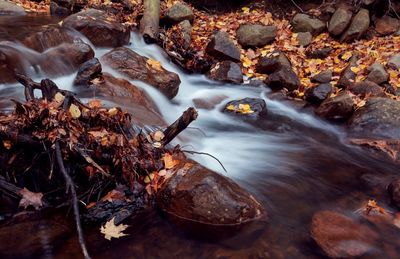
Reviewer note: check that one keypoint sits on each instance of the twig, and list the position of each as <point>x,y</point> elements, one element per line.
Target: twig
<point>207,154</point>
<point>91,161</point>
<point>71,187</point>
<point>301,10</point>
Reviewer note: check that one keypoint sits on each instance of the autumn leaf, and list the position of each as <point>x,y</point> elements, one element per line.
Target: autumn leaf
<point>346,56</point>
<point>59,97</point>
<point>29,198</point>
<point>95,103</point>
<point>74,111</point>
<point>110,230</point>
<point>158,136</point>
<point>154,64</point>
<point>246,62</point>
<point>169,161</point>
<point>114,195</point>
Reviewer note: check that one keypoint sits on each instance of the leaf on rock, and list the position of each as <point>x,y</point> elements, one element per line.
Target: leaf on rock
<point>154,64</point>
<point>95,103</point>
<point>110,230</point>
<point>74,111</point>
<point>169,161</point>
<point>29,198</point>
<point>59,97</point>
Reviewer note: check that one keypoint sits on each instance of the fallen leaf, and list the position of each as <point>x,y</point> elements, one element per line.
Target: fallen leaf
<point>95,103</point>
<point>74,111</point>
<point>169,161</point>
<point>154,64</point>
<point>110,230</point>
<point>114,195</point>
<point>158,136</point>
<point>29,198</point>
<point>59,97</point>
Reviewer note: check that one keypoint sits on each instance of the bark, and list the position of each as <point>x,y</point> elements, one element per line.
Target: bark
<point>179,125</point>
<point>149,25</point>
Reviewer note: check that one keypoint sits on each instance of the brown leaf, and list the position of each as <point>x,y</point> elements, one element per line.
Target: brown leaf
<point>29,198</point>
<point>169,161</point>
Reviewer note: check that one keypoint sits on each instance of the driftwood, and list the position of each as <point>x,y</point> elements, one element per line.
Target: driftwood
<point>149,25</point>
<point>179,125</point>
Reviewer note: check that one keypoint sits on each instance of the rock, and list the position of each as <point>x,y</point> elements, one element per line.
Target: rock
<point>304,38</point>
<point>50,37</point>
<point>389,88</point>
<point>178,13</point>
<point>137,67</point>
<point>272,63</point>
<point>99,28</point>
<point>88,71</point>
<point>340,107</point>
<point>186,31</point>
<point>223,48</point>
<point>339,21</point>
<point>394,192</point>
<point>12,59</point>
<point>55,9</point>
<point>9,8</point>
<point>65,58</point>
<point>358,26</point>
<point>209,103</point>
<point>255,35</point>
<point>318,94</point>
<point>378,118</point>
<point>366,88</point>
<point>319,53</point>
<point>304,23</point>
<point>323,77</point>
<point>283,78</point>
<point>226,71</point>
<point>198,197</point>
<point>257,107</point>
<point>377,74</point>
<point>387,25</point>
<point>347,77</point>
<point>340,236</point>
<point>394,62</point>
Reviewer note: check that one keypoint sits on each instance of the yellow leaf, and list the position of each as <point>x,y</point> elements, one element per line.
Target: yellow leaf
<point>169,161</point>
<point>112,111</point>
<point>346,56</point>
<point>246,10</point>
<point>154,64</point>
<point>59,97</point>
<point>110,230</point>
<point>95,103</point>
<point>158,135</point>
<point>246,62</point>
<point>355,69</point>
<point>74,111</point>
<point>231,107</point>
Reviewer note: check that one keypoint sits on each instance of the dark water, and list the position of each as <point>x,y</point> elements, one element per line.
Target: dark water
<point>293,163</point>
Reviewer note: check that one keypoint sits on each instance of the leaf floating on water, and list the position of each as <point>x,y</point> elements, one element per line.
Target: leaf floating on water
<point>74,111</point>
<point>110,230</point>
<point>29,198</point>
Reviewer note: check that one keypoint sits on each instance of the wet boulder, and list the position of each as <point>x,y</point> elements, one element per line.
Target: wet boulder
<point>337,108</point>
<point>387,25</point>
<point>252,108</point>
<point>358,26</point>
<point>377,74</point>
<point>50,37</point>
<point>226,71</point>
<point>283,78</point>
<point>57,10</point>
<point>318,94</point>
<point>223,48</point>
<point>137,67</point>
<point>305,23</point>
<point>272,63</point>
<point>366,88</point>
<point>88,71</point>
<point>339,21</point>
<point>319,53</point>
<point>394,62</point>
<point>340,236</point>
<point>323,77</point>
<point>9,8</point>
<point>100,29</point>
<point>255,35</point>
<point>65,58</point>
<point>304,38</point>
<point>378,118</point>
<point>178,13</point>
<point>394,191</point>
<point>347,76</point>
<point>198,198</point>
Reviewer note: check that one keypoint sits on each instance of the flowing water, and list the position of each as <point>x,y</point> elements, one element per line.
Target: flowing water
<point>293,162</point>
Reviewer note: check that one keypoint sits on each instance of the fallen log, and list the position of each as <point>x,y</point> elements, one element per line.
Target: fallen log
<point>149,25</point>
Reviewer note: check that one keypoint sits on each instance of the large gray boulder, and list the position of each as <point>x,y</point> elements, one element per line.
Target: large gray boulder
<point>304,23</point>
<point>358,27</point>
<point>339,21</point>
<point>255,35</point>
<point>337,108</point>
<point>178,13</point>
<point>366,88</point>
<point>283,78</point>
<point>223,48</point>
<point>272,62</point>
<point>226,71</point>
<point>394,62</point>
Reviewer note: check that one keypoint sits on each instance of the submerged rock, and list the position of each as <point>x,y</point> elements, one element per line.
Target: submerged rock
<point>49,38</point>
<point>272,63</point>
<point>340,236</point>
<point>100,29</point>
<point>340,107</point>
<point>223,48</point>
<point>283,78</point>
<point>131,64</point>
<point>226,71</point>
<point>252,108</point>
<point>178,13</point>
<point>304,23</point>
<point>255,35</point>
<point>339,21</point>
<point>358,27</point>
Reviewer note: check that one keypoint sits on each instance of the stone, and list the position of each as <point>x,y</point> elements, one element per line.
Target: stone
<point>337,108</point>
<point>13,60</point>
<point>319,53</point>
<point>378,118</point>
<point>366,88</point>
<point>340,236</point>
<point>226,71</point>
<point>9,8</point>
<point>100,29</point>
<point>178,13</point>
<point>358,26</point>
<point>258,108</point>
<point>223,48</point>
<point>88,71</point>
<point>197,196</point>
<point>186,32</point>
<point>255,35</point>
<point>304,38</point>
<point>131,64</point>
<point>272,63</point>
<point>283,78</point>
<point>57,10</point>
<point>394,191</point>
<point>304,23</point>
<point>347,76</point>
<point>49,38</point>
<point>323,77</point>
<point>387,25</point>
<point>339,21</point>
<point>394,62</point>
<point>318,94</point>
<point>377,74</point>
